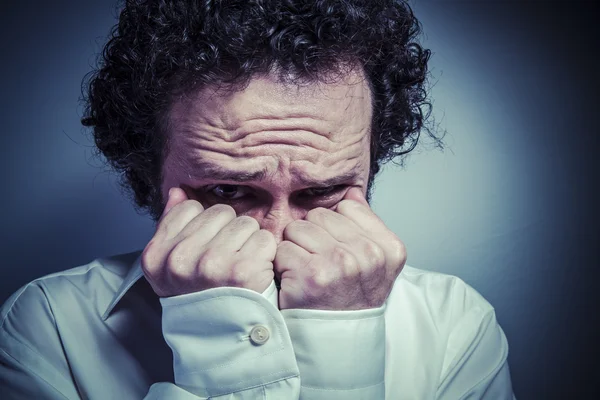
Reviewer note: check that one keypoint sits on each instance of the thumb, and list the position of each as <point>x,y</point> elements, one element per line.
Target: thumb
<point>357,195</point>
<point>175,196</point>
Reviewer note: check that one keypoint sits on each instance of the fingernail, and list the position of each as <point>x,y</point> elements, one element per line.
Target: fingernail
<point>170,192</point>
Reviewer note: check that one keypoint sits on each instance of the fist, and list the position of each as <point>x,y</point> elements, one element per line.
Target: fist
<point>345,259</point>
<point>195,249</point>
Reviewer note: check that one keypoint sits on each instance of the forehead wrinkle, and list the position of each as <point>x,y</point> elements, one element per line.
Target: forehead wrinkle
<point>349,151</point>
<point>290,140</point>
<point>256,100</point>
<point>212,112</point>
<point>191,151</point>
<point>306,123</point>
<point>193,133</point>
<point>294,148</point>
<point>318,127</point>
<point>252,132</point>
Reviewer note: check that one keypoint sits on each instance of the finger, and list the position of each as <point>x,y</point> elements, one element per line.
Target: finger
<point>354,207</point>
<point>206,225</point>
<point>175,196</point>
<point>178,211</point>
<point>357,195</point>
<point>308,236</point>
<point>193,228</point>
<point>181,263</point>
<point>261,244</point>
<point>345,231</point>
<point>337,225</point>
<point>232,237</point>
<point>290,259</point>
<point>178,217</point>
<point>152,261</point>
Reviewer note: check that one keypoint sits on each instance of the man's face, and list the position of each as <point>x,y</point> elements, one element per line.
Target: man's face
<point>272,151</point>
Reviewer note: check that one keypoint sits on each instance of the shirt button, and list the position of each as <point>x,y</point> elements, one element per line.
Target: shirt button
<point>259,335</point>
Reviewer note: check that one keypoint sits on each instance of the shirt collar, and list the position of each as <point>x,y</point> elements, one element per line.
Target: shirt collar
<point>134,274</point>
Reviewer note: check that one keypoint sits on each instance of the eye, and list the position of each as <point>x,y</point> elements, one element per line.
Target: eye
<point>322,191</point>
<point>228,192</point>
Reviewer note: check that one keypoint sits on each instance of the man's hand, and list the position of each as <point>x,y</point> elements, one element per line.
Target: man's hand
<point>195,249</point>
<point>338,260</point>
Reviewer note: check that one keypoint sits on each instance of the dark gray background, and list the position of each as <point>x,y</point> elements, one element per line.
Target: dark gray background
<point>510,206</point>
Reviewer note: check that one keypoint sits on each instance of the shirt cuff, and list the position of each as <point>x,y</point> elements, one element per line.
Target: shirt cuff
<point>340,354</point>
<point>226,340</point>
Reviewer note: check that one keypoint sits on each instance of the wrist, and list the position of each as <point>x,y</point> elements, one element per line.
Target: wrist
<point>339,351</point>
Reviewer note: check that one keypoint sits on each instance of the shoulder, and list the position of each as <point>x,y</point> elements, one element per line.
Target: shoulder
<point>39,300</point>
<point>444,300</point>
<point>44,317</point>
<point>462,332</point>
<point>440,289</point>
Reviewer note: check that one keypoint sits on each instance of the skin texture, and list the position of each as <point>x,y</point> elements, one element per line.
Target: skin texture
<point>292,206</point>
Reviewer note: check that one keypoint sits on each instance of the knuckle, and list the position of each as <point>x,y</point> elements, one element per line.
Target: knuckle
<point>210,265</point>
<point>209,274</point>
<point>320,279</point>
<point>208,258</point>
<point>239,274</point>
<point>148,251</point>
<point>398,252</point>
<point>177,254</point>
<point>148,260</point>
<point>317,274</point>
<point>344,259</point>
<point>374,253</point>
<point>177,260</point>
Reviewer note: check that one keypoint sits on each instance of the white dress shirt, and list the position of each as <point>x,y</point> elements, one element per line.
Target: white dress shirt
<point>98,331</point>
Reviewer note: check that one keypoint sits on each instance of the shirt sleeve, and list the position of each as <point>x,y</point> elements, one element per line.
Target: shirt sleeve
<point>340,354</point>
<point>31,377</point>
<point>475,363</point>
<point>217,354</point>
<point>230,342</point>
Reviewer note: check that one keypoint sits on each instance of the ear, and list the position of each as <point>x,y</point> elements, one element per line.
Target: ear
<point>357,195</point>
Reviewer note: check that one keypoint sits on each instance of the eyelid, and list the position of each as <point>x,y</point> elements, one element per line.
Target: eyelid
<point>334,190</point>
<point>245,190</point>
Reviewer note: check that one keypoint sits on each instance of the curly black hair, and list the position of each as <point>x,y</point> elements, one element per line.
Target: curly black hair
<point>161,49</point>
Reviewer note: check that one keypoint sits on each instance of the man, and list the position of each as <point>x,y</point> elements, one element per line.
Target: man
<point>252,132</point>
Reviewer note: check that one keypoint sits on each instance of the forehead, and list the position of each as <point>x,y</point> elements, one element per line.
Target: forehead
<point>273,132</point>
<point>328,109</point>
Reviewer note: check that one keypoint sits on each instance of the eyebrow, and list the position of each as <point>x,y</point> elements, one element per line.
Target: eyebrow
<point>215,172</point>
<point>333,181</point>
